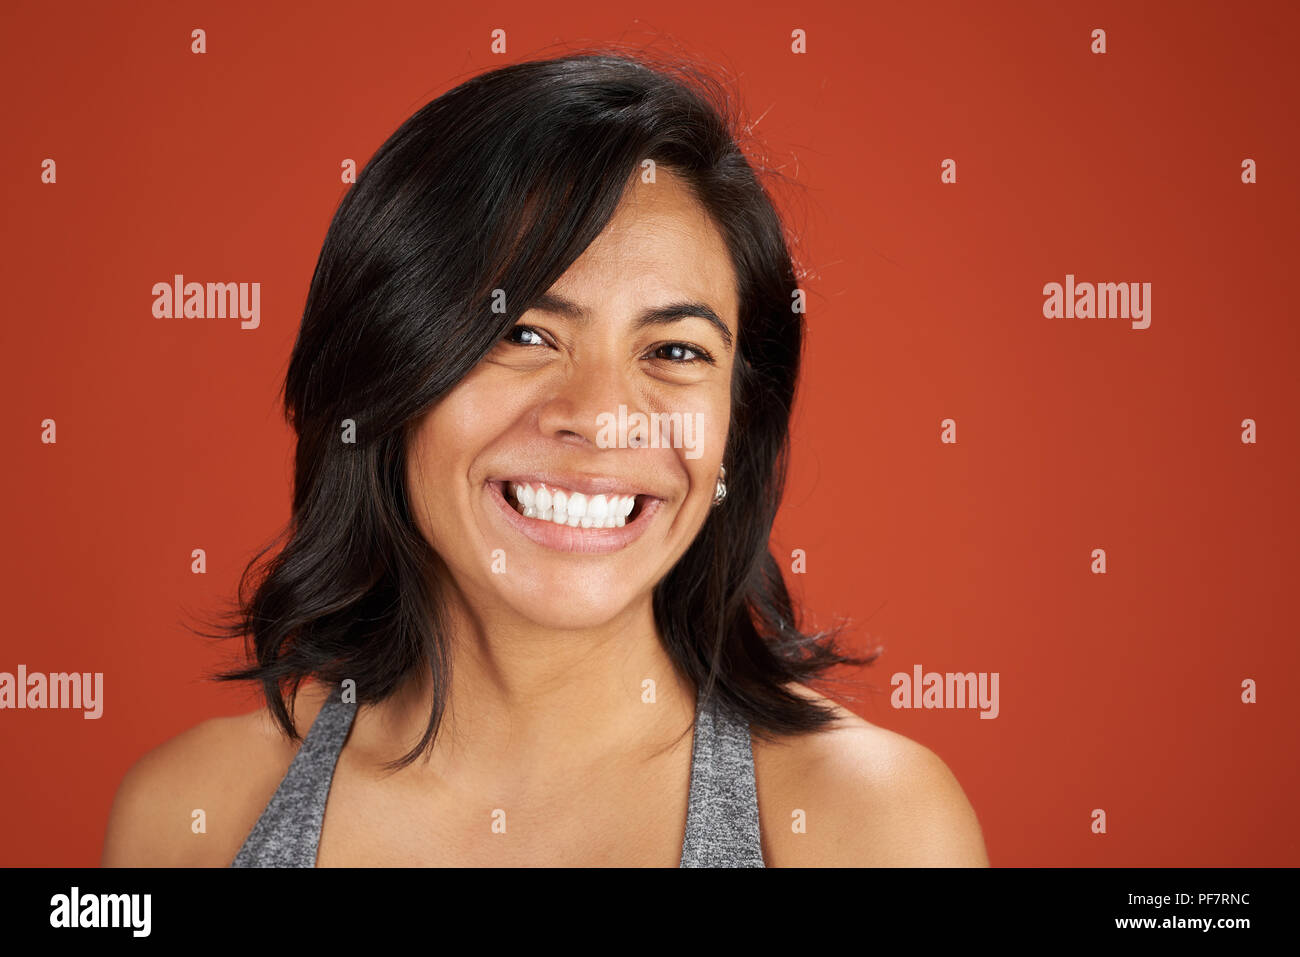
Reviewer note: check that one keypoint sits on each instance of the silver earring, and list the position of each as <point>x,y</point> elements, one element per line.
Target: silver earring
<point>721,491</point>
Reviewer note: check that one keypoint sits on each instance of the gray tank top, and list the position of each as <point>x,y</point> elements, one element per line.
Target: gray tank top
<point>721,817</point>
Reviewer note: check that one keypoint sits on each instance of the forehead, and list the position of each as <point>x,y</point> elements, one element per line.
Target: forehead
<point>660,244</point>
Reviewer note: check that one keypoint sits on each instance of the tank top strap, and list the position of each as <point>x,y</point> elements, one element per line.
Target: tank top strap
<point>288,832</point>
<point>722,811</point>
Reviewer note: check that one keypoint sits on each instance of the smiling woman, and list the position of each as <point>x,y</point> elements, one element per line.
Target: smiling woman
<point>585,641</point>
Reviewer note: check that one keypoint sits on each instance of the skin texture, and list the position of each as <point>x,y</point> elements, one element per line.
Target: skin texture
<point>545,717</point>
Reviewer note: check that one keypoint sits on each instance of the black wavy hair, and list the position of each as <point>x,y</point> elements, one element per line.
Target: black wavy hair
<point>503,182</point>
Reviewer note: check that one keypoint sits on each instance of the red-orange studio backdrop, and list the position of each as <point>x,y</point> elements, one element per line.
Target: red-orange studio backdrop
<point>1046,431</point>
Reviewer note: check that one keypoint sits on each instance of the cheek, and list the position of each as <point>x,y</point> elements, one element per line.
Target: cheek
<point>438,445</point>
<point>423,477</point>
<point>446,444</point>
<point>463,423</point>
<point>467,414</point>
<point>713,420</point>
<point>706,420</point>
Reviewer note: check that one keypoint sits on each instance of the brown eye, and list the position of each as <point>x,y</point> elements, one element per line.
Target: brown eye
<point>682,353</point>
<point>529,336</point>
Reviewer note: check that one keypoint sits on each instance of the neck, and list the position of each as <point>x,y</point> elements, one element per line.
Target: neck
<point>526,700</point>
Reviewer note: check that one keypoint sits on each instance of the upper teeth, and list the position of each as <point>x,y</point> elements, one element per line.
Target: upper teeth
<point>563,507</point>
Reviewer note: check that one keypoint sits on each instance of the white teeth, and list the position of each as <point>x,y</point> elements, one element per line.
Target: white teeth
<point>574,509</point>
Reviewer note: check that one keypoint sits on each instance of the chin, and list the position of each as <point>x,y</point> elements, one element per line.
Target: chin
<point>564,608</point>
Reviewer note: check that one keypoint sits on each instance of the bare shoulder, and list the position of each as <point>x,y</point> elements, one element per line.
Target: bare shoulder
<point>227,768</point>
<point>865,797</point>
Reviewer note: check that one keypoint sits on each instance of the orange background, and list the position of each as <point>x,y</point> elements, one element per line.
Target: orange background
<point>1118,691</point>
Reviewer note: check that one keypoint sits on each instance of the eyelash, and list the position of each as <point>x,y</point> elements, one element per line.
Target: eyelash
<point>703,355</point>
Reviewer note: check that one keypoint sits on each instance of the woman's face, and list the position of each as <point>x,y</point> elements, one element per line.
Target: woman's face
<point>617,388</point>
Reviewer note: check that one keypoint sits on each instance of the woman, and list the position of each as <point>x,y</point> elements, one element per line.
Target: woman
<point>542,392</point>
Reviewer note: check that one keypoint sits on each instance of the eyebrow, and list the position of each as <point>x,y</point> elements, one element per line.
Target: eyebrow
<point>660,315</point>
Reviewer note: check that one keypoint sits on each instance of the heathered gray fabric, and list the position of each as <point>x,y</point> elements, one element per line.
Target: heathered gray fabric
<point>721,817</point>
<point>288,832</point>
<point>722,812</point>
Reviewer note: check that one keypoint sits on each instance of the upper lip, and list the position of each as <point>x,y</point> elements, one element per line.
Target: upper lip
<point>579,482</point>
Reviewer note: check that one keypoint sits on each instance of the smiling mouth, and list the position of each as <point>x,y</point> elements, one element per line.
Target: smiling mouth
<point>565,507</point>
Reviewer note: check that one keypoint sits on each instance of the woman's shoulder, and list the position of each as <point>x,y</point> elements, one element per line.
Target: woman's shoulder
<point>191,801</point>
<point>858,795</point>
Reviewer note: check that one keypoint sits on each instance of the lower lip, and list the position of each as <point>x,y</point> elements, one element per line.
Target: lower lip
<point>567,538</point>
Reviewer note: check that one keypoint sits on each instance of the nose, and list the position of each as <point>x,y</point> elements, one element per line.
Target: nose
<point>584,403</point>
